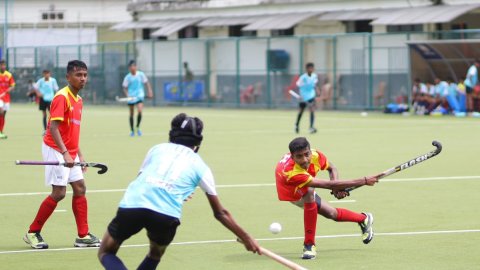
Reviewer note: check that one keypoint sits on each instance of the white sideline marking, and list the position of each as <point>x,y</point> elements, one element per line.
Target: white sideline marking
<point>59,210</point>
<point>343,201</point>
<point>437,178</point>
<point>259,239</point>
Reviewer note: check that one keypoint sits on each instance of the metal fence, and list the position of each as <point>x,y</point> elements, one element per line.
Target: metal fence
<point>356,71</point>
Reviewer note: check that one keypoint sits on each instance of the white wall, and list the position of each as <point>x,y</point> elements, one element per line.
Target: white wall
<point>85,11</point>
<point>51,36</point>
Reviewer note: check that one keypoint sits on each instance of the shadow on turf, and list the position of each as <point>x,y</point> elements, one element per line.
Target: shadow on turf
<point>288,255</point>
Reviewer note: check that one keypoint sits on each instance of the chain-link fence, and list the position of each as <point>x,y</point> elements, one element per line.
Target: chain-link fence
<point>356,71</point>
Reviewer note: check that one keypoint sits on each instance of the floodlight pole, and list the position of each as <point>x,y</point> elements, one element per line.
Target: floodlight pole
<point>5,27</point>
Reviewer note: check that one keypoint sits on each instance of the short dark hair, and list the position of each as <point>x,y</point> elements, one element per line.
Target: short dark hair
<point>131,63</point>
<point>46,71</point>
<point>417,80</point>
<point>3,61</point>
<point>76,64</point>
<point>298,144</point>
<point>186,130</point>
<point>310,64</point>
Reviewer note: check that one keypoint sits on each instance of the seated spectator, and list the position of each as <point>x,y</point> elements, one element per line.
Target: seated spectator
<point>420,96</point>
<point>440,92</point>
<point>326,94</point>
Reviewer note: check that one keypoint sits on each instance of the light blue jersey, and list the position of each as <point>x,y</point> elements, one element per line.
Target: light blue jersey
<point>134,84</point>
<point>472,77</point>
<point>169,174</point>
<point>47,88</point>
<point>307,85</point>
<point>441,89</point>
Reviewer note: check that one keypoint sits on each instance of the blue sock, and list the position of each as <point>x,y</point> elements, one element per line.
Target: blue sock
<point>148,264</point>
<point>112,262</point>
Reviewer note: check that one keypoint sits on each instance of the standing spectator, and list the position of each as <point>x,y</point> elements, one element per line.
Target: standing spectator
<point>32,92</point>
<point>470,81</point>
<point>7,84</point>
<point>46,88</point>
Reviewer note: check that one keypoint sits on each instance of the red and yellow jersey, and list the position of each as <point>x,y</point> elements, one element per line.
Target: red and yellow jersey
<point>6,81</point>
<point>67,109</point>
<point>292,180</point>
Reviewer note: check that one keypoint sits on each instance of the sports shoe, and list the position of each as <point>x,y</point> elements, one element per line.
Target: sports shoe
<point>139,132</point>
<point>35,240</point>
<point>312,130</point>
<point>367,229</point>
<point>309,252</point>
<point>89,240</point>
<point>3,136</point>
<point>132,133</point>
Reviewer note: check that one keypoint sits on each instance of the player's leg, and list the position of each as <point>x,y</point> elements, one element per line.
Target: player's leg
<point>48,205</point>
<point>2,118</point>
<point>310,224</point>
<point>301,108</point>
<point>80,209</point>
<point>161,230</point>
<point>311,107</point>
<point>107,253</point>
<point>139,117</point>
<point>364,220</point>
<point>130,119</point>
<point>126,223</point>
<point>57,178</point>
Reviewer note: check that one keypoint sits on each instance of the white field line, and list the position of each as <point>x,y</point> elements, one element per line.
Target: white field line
<point>259,239</point>
<point>59,210</point>
<point>438,178</point>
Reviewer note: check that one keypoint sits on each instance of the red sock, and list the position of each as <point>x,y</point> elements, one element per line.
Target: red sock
<point>80,210</point>
<point>44,212</point>
<point>310,222</point>
<point>2,122</point>
<point>347,215</point>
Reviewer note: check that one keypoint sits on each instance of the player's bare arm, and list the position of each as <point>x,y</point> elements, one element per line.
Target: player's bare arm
<point>333,174</point>
<point>125,91</point>
<point>59,142</point>
<point>82,159</point>
<point>149,89</point>
<point>222,215</point>
<point>343,184</point>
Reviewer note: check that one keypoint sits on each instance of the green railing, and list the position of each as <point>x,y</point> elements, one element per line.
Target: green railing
<point>356,71</point>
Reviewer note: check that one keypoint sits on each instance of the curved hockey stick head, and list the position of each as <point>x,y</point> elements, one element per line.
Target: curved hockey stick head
<point>438,145</point>
<point>102,168</point>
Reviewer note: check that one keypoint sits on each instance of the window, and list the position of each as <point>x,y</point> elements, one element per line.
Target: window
<point>188,32</point>
<point>52,16</point>
<point>282,32</point>
<point>362,26</point>
<point>236,31</point>
<point>60,16</point>
<point>405,28</point>
<point>44,16</point>
<point>146,33</point>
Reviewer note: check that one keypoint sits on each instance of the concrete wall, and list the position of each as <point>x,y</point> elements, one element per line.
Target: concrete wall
<point>97,11</point>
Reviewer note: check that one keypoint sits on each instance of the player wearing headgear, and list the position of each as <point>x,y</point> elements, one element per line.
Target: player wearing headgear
<point>296,179</point>
<point>307,83</point>
<point>133,86</point>
<point>168,176</point>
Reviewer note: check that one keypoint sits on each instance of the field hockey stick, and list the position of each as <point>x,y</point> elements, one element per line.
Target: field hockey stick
<point>294,94</point>
<point>408,164</point>
<point>125,99</point>
<point>102,167</point>
<point>278,258</point>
